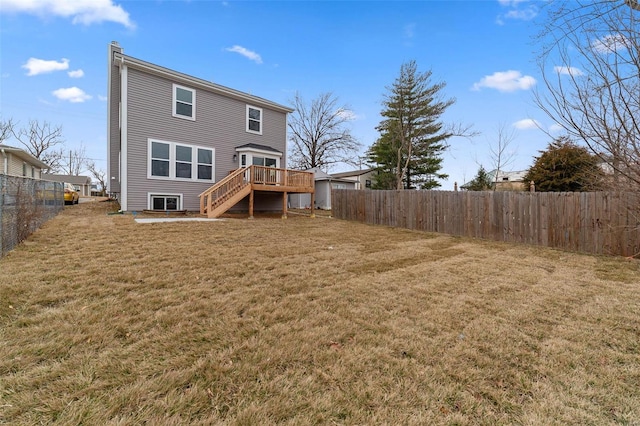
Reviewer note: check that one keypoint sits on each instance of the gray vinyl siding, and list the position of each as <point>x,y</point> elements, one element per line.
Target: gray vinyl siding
<point>113,148</point>
<point>220,124</point>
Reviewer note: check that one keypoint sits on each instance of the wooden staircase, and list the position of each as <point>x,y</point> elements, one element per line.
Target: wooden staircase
<point>216,200</point>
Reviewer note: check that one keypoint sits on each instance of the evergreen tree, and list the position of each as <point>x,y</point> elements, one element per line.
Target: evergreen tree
<point>565,167</point>
<point>409,151</point>
<point>482,181</point>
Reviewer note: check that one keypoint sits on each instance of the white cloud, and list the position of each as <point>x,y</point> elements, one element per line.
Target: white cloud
<point>568,71</point>
<point>36,66</point>
<point>517,12</point>
<point>76,74</point>
<point>526,124</point>
<point>85,12</point>
<point>610,43</point>
<point>510,2</point>
<point>410,30</point>
<point>347,114</point>
<point>506,81</point>
<point>555,128</point>
<point>526,14</point>
<point>246,53</point>
<point>71,94</point>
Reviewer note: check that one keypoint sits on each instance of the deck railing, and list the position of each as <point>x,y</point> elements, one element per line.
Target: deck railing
<point>221,192</point>
<point>284,177</point>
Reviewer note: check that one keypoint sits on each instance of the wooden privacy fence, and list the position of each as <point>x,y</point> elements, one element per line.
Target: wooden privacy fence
<point>588,222</point>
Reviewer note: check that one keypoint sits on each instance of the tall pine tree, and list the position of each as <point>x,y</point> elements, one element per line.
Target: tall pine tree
<point>412,139</point>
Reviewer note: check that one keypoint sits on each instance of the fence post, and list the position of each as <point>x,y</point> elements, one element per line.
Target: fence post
<point>2,189</point>
<point>532,186</point>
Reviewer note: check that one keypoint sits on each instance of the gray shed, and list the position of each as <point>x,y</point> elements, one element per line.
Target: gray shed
<point>324,183</point>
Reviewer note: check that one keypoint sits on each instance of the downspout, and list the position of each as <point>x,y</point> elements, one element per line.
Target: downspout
<point>329,198</point>
<point>124,178</point>
<point>6,162</point>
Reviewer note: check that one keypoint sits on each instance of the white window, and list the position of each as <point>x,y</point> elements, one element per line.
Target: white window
<point>264,161</point>
<point>184,102</point>
<point>160,159</point>
<point>249,156</point>
<point>170,160</point>
<point>184,164</point>
<point>165,201</point>
<point>205,164</point>
<point>254,120</point>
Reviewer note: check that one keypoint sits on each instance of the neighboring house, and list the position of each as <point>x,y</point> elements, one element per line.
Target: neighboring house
<point>506,181</point>
<point>81,183</point>
<point>172,136</point>
<point>17,162</point>
<point>324,183</point>
<point>95,191</point>
<point>363,177</point>
<point>509,181</point>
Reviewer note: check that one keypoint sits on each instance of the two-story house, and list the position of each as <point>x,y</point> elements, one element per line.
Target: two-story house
<point>173,140</point>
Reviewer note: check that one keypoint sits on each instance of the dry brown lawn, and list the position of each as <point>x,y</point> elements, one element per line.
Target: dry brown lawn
<point>309,321</point>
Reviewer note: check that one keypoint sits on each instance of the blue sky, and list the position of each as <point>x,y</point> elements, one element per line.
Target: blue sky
<point>53,60</point>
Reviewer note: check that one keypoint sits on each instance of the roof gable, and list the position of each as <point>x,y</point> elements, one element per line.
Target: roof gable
<point>75,180</point>
<point>24,156</point>
<point>122,59</point>
<point>352,173</point>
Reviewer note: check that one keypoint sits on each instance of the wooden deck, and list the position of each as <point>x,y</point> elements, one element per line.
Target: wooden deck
<point>228,192</point>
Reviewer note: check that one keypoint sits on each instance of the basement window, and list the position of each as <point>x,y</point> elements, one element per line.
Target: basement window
<point>165,201</point>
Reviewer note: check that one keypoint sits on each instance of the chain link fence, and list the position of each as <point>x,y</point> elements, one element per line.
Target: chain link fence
<point>25,204</point>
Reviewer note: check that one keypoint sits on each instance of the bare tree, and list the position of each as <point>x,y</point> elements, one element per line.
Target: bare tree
<point>75,161</point>
<point>6,129</point>
<point>99,175</point>
<point>501,156</point>
<point>43,141</point>
<point>590,62</point>
<point>319,133</point>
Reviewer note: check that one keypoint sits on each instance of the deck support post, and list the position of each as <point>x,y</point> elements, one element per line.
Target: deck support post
<point>284,205</point>
<point>313,205</point>
<point>251,204</point>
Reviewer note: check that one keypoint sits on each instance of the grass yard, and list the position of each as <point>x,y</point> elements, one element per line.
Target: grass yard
<point>309,321</point>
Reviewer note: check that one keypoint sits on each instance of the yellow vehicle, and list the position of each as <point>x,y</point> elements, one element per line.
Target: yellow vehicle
<point>71,196</point>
